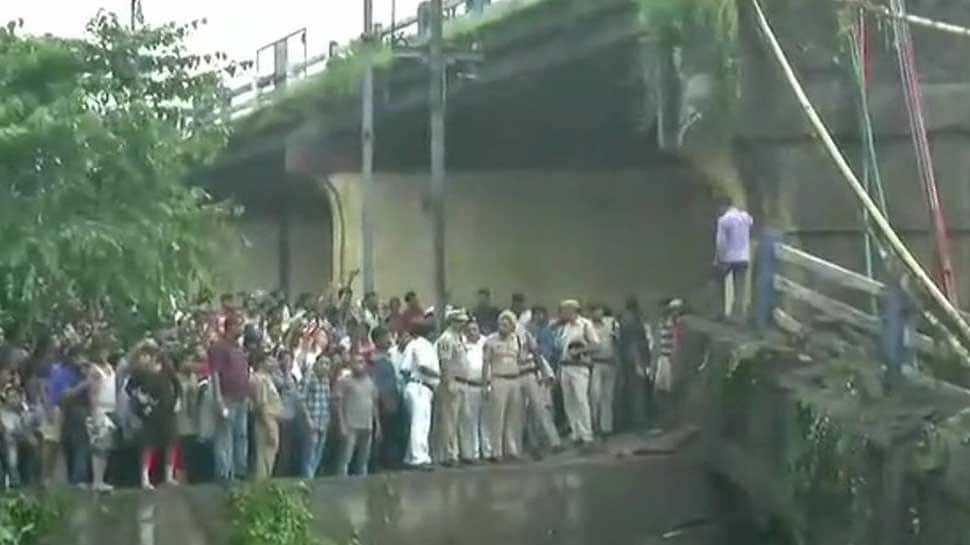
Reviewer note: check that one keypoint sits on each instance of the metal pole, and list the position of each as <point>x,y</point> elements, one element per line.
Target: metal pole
<point>136,13</point>
<point>393,20</point>
<point>924,22</point>
<point>367,159</point>
<point>437,110</point>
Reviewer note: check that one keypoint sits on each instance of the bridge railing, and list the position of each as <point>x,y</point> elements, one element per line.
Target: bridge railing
<point>778,266</point>
<point>245,98</point>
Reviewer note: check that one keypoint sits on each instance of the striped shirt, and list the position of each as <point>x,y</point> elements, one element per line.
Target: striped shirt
<point>668,337</point>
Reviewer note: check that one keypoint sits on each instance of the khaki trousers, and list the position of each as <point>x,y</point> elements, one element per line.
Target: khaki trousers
<point>538,407</point>
<point>504,407</point>
<point>575,394</point>
<point>471,429</point>
<point>447,421</point>
<point>602,393</point>
<point>267,445</point>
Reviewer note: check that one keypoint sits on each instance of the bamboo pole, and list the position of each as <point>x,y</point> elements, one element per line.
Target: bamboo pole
<point>896,245</point>
<point>910,18</point>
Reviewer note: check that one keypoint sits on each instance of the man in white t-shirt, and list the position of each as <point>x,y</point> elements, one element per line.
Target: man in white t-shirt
<point>422,372</point>
<point>473,441</point>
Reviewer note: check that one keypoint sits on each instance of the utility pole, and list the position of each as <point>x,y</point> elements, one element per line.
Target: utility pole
<point>136,14</point>
<point>367,159</point>
<point>437,110</point>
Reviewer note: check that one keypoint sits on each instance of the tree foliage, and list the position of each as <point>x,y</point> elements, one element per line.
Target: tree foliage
<point>97,137</point>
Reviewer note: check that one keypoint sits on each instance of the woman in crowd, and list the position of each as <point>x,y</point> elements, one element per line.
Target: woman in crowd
<point>155,394</point>
<point>187,369</point>
<point>102,390</point>
<point>287,459</point>
<point>268,408</point>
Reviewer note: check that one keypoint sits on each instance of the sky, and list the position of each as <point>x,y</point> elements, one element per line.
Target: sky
<point>236,27</point>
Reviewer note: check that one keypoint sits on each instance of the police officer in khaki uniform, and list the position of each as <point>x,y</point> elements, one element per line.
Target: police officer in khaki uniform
<point>602,386</point>
<point>535,378</point>
<point>453,359</point>
<point>578,338</point>
<point>504,403</point>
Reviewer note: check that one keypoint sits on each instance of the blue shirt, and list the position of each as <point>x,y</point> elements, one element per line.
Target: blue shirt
<point>548,340</point>
<point>384,374</point>
<point>63,377</point>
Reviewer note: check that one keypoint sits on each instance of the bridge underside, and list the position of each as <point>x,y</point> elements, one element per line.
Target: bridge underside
<point>554,135</point>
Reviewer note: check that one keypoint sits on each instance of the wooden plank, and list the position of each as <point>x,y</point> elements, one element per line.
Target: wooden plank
<point>787,323</point>
<point>830,271</point>
<point>828,306</point>
<point>847,313</point>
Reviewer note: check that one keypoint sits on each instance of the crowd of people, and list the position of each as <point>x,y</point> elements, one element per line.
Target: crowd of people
<point>253,387</point>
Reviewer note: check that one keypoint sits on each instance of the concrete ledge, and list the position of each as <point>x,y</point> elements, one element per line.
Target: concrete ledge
<point>597,500</point>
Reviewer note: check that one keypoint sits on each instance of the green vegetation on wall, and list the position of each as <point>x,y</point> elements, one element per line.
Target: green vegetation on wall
<point>836,428</point>
<point>682,21</point>
<point>27,519</point>
<point>670,19</point>
<point>341,79</point>
<point>271,513</point>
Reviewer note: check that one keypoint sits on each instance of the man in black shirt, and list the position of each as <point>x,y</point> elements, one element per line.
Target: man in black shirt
<point>486,314</point>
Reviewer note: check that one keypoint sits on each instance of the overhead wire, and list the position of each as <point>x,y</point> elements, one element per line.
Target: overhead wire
<point>924,160</point>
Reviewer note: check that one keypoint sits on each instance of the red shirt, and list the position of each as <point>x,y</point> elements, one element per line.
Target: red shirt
<point>412,317</point>
<point>228,362</point>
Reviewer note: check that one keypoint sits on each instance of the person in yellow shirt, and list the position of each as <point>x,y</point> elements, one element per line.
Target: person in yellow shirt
<point>268,408</point>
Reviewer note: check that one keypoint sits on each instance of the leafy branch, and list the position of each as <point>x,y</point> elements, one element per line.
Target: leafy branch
<point>97,138</point>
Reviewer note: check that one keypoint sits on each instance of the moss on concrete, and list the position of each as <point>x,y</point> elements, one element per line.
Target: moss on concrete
<point>343,76</point>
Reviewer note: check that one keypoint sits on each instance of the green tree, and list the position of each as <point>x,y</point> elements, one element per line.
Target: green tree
<point>97,138</point>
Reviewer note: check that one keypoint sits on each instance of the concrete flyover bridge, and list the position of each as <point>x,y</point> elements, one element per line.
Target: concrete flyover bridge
<point>555,132</point>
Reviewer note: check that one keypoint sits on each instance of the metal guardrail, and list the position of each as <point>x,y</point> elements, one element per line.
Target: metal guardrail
<point>245,98</point>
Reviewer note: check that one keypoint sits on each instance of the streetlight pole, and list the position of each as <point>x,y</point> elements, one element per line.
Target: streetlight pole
<point>136,13</point>
<point>437,193</point>
<point>367,158</point>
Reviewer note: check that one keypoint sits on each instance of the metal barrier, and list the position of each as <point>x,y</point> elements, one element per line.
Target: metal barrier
<point>248,97</point>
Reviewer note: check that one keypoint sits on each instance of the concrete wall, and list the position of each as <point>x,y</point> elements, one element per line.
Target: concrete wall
<point>594,501</point>
<point>826,217</point>
<point>593,235</point>
<point>795,183</point>
<point>253,253</point>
